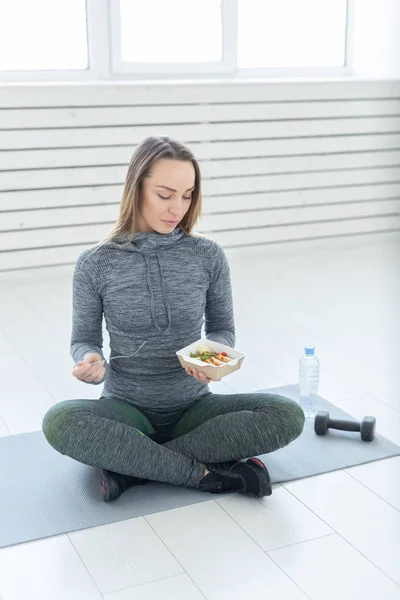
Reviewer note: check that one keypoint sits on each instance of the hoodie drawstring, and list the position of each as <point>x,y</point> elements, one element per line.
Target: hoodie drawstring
<point>164,294</point>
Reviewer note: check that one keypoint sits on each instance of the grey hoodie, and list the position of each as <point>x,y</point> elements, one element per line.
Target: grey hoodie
<point>160,289</point>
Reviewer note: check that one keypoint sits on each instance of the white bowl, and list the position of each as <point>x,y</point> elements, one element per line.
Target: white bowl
<point>214,372</point>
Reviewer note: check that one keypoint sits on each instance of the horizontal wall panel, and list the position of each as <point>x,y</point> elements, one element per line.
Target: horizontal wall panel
<point>121,155</point>
<point>277,216</point>
<point>191,92</point>
<point>40,218</point>
<point>293,164</point>
<point>205,132</point>
<point>298,198</point>
<point>285,233</point>
<point>36,200</point>
<point>300,180</point>
<point>53,118</point>
<point>295,146</point>
<point>57,236</point>
<point>54,178</point>
<point>307,231</point>
<point>105,175</point>
<point>53,236</point>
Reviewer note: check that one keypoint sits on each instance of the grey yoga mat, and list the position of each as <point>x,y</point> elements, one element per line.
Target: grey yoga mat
<point>43,493</point>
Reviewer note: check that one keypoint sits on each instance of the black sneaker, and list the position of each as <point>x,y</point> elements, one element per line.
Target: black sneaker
<point>250,477</point>
<point>222,482</point>
<point>112,485</point>
<point>222,466</point>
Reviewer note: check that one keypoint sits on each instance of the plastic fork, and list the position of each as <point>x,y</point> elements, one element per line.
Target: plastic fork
<point>120,356</point>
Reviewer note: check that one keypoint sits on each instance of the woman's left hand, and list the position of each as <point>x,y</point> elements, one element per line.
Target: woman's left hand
<point>197,375</point>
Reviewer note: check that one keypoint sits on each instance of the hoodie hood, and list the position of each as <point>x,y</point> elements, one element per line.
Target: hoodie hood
<point>148,241</point>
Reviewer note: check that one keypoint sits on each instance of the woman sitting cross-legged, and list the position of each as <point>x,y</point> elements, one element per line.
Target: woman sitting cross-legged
<point>155,281</point>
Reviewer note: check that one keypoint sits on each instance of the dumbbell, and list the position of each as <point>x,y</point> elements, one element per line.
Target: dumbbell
<point>322,423</point>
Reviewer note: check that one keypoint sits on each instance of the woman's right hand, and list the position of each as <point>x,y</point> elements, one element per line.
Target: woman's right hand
<point>84,372</point>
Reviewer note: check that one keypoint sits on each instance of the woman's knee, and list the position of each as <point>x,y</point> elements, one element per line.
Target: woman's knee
<point>287,414</point>
<point>60,421</point>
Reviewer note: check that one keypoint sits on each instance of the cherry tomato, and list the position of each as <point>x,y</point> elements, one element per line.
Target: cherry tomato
<point>223,353</point>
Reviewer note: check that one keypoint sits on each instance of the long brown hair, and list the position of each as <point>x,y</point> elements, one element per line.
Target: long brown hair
<point>145,155</point>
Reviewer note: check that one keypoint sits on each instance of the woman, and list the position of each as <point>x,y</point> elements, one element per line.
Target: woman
<point>156,282</point>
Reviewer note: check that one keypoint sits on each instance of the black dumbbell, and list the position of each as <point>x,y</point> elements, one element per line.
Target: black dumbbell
<point>322,423</point>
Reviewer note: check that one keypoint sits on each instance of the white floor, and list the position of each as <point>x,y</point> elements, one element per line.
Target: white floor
<point>332,536</point>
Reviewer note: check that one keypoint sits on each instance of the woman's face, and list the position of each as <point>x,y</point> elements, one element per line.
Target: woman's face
<point>166,195</point>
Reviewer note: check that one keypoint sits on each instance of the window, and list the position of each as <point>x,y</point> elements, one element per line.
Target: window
<point>43,35</point>
<point>170,36</point>
<point>291,33</point>
<point>114,39</point>
<point>171,31</point>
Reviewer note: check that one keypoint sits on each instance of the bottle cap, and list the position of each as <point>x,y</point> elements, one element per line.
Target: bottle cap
<point>309,350</point>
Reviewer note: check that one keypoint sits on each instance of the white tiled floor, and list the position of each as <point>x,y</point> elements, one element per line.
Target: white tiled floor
<point>333,535</point>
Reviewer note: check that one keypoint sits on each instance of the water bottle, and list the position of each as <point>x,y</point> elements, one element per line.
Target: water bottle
<point>308,381</point>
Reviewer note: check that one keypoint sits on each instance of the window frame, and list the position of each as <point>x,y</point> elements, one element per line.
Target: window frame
<point>104,56</point>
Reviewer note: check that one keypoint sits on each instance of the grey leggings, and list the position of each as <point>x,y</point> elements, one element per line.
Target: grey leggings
<point>172,447</point>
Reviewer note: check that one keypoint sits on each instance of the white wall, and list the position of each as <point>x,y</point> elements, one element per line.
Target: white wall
<point>375,44</point>
<point>280,161</point>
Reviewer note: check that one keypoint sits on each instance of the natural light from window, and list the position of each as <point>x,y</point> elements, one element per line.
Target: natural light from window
<point>43,34</point>
<point>291,33</point>
<point>39,35</point>
<point>171,31</point>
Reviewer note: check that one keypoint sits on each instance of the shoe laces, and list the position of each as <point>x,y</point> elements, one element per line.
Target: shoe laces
<point>223,481</point>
